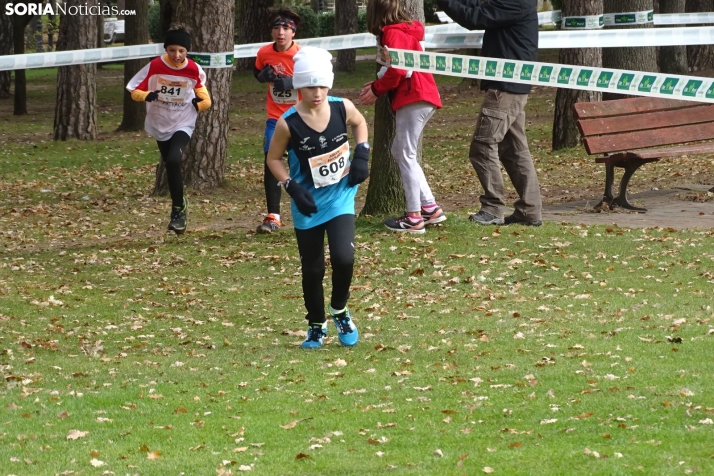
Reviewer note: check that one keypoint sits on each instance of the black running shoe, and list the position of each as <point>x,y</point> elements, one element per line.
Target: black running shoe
<point>179,218</point>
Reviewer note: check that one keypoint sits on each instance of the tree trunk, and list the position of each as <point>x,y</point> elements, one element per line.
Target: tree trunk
<point>6,48</point>
<point>136,33</point>
<point>633,58</point>
<point>700,57</point>
<point>346,24</point>
<point>672,59</point>
<point>204,163</point>
<point>253,17</point>
<point>565,133</point>
<point>385,193</point>
<point>76,106</point>
<point>18,37</point>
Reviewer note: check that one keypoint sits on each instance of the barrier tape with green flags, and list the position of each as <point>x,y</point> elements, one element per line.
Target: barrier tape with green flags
<point>636,83</point>
<point>439,36</point>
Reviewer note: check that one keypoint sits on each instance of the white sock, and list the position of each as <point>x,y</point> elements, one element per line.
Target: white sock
<point>335,312</point>
<point>276,215</point>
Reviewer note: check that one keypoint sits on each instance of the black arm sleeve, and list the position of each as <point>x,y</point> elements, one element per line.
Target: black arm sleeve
<point>479,15</point>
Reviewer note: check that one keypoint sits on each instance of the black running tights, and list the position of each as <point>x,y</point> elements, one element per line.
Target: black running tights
<point>311,245</point>
<point>171,153</point>
<point>272,189</point>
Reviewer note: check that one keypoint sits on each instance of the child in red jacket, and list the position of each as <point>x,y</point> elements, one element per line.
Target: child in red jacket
<point>414,97</point>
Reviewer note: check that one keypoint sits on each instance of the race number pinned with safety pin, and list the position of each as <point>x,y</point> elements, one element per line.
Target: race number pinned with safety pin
<point>289,96</point>
<point>328,169</point>
<point>171,90</point>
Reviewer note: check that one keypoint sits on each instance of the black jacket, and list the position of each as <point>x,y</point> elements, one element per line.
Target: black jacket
<point>511,31</point>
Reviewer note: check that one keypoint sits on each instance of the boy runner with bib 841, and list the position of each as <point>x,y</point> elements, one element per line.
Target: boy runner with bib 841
<point>274,65</point>
<point>322,183</point>
<point>174,89</point>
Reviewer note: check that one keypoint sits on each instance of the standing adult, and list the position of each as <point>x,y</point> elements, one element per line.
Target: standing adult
<point>511,32</point>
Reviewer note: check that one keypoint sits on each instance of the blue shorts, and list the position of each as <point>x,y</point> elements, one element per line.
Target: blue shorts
<point>269,130</point>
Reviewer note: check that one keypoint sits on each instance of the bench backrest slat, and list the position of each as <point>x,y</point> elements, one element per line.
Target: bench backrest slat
<point>649,138</point>
<point>650,120</point>
<point>621,107</point>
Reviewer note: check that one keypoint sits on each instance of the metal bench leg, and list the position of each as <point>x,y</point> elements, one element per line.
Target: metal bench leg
<point>608,197</point>
<point>630,167</point>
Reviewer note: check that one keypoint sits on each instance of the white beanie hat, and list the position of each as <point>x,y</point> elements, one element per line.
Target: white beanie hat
<point>313,67</point>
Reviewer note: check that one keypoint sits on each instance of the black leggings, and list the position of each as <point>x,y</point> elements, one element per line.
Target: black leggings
<point>311,245</point>
<point>272,190</point>
<point>171,153</point>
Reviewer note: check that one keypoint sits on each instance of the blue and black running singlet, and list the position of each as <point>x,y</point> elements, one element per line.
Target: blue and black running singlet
<point>320,162</point>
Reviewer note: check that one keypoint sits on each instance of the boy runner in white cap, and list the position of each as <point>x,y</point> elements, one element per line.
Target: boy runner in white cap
<point>322,183</point>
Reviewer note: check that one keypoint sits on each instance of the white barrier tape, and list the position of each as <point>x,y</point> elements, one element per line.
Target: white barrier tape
<point>590,22</point>
<point>213,60</point>
<point>683,18</point>
<point>343,42</point>
<point>68,58</point>
<point>545,18</point>
<point>698,35</point>
<point>103,55</point>
<point>636,83</point>
<point>631,18</point>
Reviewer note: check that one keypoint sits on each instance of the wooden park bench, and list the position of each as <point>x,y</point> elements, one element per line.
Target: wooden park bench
<point>630,132</point>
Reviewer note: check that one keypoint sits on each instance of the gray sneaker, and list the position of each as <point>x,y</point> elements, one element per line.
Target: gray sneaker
<point>485,218</point>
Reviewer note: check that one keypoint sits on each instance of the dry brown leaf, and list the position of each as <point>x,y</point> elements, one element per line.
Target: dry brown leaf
<point>488,470</point>
<point>76,434</point>
<point>153,454</point>
<point>290,425</point>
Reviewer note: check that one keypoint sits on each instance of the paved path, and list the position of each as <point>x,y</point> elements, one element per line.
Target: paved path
<point>666,208</point>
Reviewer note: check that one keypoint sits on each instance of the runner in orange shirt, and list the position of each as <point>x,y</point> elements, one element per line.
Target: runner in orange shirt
<point>274,65</point>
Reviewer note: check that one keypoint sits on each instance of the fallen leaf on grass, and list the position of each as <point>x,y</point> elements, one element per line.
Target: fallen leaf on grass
<point>488,470</point>
<point>303,456</point>
<point>63,414</point>
<point>76,434</point>
<point>97,463</point>
<point>439,453</point>
<point>153,454</point>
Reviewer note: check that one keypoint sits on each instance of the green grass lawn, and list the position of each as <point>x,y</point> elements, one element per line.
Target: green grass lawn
<point>566,349</point>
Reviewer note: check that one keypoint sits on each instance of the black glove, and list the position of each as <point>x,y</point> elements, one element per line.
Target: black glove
<point>195,102</point>
<point>152,96</point>
<point>267,74</point>
<point>303,199</point>
<point>359,168</point>
<point>283,83</point>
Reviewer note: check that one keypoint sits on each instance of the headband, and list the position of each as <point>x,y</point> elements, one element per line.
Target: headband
<point>178,37</point>
<point>284,21</point>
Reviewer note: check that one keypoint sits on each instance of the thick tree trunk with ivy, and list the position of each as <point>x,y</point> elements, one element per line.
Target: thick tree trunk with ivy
<point>565,133</point>
<point>385,193</point>
<point>136,32</point>
<point>672,59</point>
<point>346,24</point>
<point>700,57</point>
<point>252,26</point>
<point>76,103</point>
<point>632,58</point>
<point>204,162</point>
<point>6,48</point>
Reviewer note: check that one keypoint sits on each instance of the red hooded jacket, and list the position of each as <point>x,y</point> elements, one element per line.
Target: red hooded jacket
<point>418,87</point>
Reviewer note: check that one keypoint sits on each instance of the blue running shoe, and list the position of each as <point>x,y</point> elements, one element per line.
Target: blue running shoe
<point>316,334</point>
<point>346,330</point>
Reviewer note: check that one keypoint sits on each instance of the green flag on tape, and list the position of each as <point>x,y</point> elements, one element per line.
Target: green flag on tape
<point>564,75</point>
<point>456,65</point>
<point>603,81</point>
<point>425,61</point>
<point>508,70</point>
<point>473,66</point>
<point>625,81</point>
<point>584,77</point>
